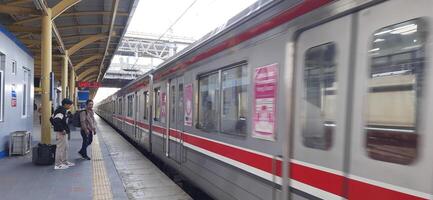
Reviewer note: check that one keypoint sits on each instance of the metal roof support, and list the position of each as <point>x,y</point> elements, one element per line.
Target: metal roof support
<point>65,75</point>
<point>86,61</point>
<point>17,2</point>
<point>86,13</point>
<point>60,7</point>
<point>87,72</point>
<point>85,42</point>
<point>46,53</point>
<point>88,78</point>
<point>110,33</point>
<point>11,10</point>
<point>72,87</point>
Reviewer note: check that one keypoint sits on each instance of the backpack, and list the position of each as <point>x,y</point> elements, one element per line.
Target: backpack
<point>76,118</point>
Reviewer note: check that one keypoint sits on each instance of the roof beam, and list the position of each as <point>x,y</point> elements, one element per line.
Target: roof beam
<point>85,42</point>
<point>93,76</point>
<point>88,26</point>
<point>87,60</point>
<point>71,37</point>
<point>69,14</point>
<point>110,33</point>
<point>15,10</point>
<point>17,2</point>
<point>87,72</point>
<point>25,29</point>
<point>60,7</point>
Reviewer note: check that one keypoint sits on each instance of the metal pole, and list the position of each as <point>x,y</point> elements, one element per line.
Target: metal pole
<point>65,75</point>
<point>46,56</point>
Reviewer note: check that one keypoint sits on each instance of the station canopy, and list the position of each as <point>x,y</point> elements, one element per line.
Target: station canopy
<point>90,31</point>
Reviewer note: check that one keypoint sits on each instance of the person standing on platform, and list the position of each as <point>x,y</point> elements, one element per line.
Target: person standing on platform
<point>60,123</point>
<point>88,128</point>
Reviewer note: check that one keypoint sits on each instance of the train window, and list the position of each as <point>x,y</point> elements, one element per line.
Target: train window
<point>130,108</point>
<point>14,67</point>
<point>394,91</point>
<point>156,100</point>
<point>146,104</point>
<point>173,105</point>
<point>320,92</point>
<point>120,106</point>
<point>234,100</point>
<point>180,105</point>
<point>208,105</point>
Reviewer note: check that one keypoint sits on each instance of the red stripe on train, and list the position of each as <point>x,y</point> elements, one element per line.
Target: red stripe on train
<point>329,182</point>
<point>290,14</point>
<point>359,191</point>
<point>323,180</point>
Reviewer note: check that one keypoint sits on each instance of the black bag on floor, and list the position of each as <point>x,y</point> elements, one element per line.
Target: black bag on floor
<point>44,154</point>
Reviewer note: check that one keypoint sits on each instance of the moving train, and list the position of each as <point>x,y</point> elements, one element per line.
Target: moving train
<point>311,99</point>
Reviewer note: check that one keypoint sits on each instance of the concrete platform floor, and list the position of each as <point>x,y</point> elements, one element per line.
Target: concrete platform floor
<point>128,174</point>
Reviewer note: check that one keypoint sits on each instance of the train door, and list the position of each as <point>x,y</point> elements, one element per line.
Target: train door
<point>176,115</point>
<point>322,66</point>
<point>137,132</point>
<point>391,142</point>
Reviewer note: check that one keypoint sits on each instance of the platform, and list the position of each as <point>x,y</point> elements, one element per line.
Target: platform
<point>117,171</point>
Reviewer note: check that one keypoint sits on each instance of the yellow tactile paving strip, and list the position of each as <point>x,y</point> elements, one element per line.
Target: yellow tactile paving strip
<point>101,183</point>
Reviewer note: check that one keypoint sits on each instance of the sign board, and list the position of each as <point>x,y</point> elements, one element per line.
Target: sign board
<point>14,96</point>
<point>187,96</point>
<point>264,101</point>
<point>89,84</point>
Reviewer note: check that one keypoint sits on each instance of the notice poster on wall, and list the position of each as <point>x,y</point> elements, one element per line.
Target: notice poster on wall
<point>163,104</point>
<point>264,102</point>
<point>14,96</point>
<point>188,105</point>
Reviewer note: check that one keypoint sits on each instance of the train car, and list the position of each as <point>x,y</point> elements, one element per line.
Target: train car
<point>16,88</point>
<point>331,95</point>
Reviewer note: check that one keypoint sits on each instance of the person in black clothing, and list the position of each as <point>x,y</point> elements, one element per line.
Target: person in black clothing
<point>60,123</point>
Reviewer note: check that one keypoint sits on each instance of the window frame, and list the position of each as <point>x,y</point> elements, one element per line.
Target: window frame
<point>219,100</point>
<point>327,137</point>
<point>372,132</point>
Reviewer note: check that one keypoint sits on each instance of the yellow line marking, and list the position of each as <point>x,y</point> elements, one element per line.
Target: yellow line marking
<point>101,183</point>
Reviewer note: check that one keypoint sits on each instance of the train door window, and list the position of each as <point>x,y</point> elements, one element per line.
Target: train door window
<point>2,85</point>
<point>180,108</point>
<point>395,86</point>
<point>129,106</point>
<point>173,104</point>
<point>146,102</point>
<point>113,107</point>
<point>157,102</point>
<point>26,80</point>
<point>234,100</point>
<point>320,96</point>
<point>208,102</point>
<point>14,67</point>
<point>120,106</point>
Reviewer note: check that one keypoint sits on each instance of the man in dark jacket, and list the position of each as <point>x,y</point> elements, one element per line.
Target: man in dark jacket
<point>60,123</point>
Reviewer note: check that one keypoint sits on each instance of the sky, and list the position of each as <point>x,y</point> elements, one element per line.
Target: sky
<point>199,17</point>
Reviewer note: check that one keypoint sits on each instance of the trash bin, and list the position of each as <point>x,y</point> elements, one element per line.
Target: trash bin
<point>19,143</point>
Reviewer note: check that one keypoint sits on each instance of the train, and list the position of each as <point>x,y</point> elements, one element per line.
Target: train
<point>311,99</point>
<point>16,89</point>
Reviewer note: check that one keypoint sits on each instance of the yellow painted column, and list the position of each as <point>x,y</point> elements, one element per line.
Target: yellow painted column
<point>46,56</point>
<point>72,89</point>
<point>65,75</point>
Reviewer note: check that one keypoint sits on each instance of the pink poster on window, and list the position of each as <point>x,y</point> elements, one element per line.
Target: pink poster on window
<point>188,105</point>
<point>265,95</point>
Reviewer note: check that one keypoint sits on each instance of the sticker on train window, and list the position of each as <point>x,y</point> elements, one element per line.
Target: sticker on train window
<point>395,86</point>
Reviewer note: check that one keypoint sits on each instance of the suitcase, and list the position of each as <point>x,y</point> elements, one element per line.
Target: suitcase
<point>44,154</point>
